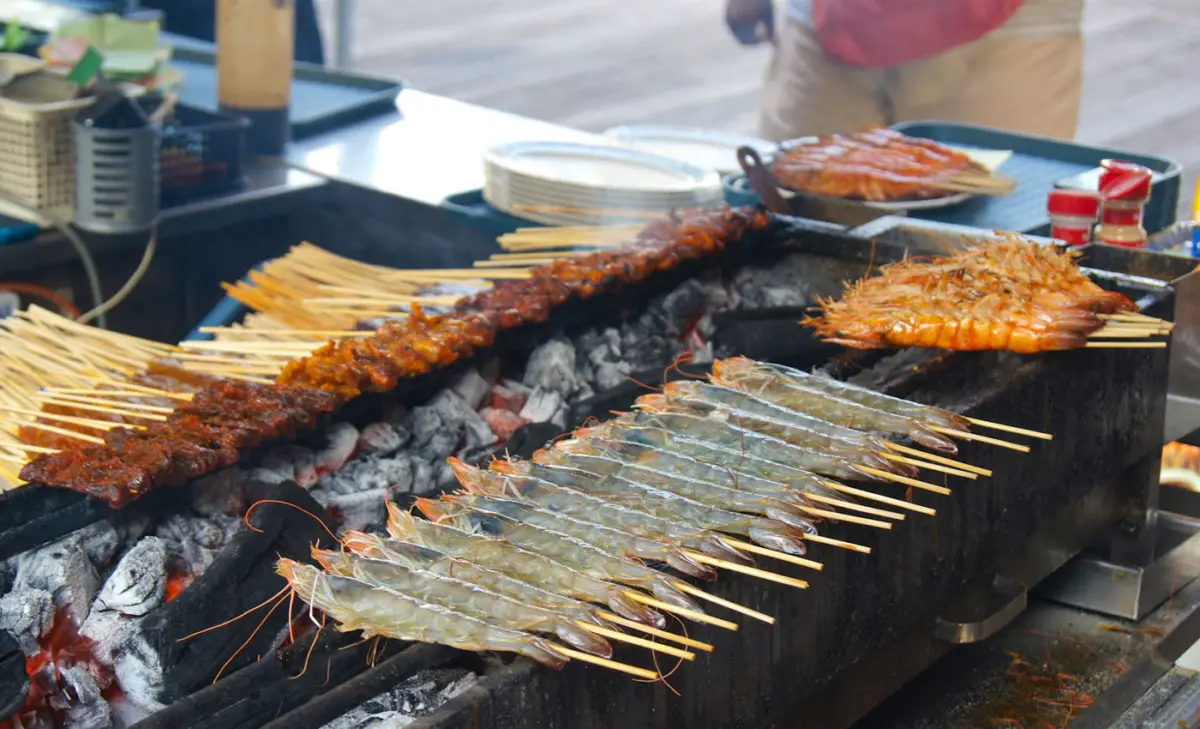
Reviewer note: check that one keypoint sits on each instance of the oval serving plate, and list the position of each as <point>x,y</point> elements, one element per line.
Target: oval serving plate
<point>597,167</point>
<point>701,147</point>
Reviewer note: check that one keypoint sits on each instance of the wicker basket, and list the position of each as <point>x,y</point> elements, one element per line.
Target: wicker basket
<point>37,153</point>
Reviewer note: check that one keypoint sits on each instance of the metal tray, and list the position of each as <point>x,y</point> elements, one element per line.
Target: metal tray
<point>476,211</point>
<point>322,99</point>
<point>1038,163</point>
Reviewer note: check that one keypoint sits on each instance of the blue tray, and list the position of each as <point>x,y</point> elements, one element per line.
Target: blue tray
<point>473,209</point>
<point>227,312</point>
<point>1037,163</point>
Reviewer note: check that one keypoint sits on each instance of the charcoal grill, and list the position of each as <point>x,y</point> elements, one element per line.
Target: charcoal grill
<point>820,665</point>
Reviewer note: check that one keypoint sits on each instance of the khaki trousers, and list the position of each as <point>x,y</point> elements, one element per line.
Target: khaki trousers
<point>1024,84</point>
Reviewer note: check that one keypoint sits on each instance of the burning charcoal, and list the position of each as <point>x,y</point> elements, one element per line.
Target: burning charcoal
<point>276,467</point>
<point>611,374</point>
<point>138,584</point>
<point>542,406</point>
<point>100,542</point>
<point>441,445</point>
<point>192,544</point>
<point>597,346</point>
<point>506,397</point>
<point>422,482</point>
<point>380,438</point>
<point>87,708</point>
<point>444,477</point>
<point>63,570</point>
<point>139,673</point>
<point>357,511</point>
<point>478,433</point>
<point>552,367</point>
<point>397,472</point>
<point>682,305</point>
<point>395,413</point>
<point>502,422</point>
<point>419,695</point>
<point>424,422</point>
<point>304,464</point>
<point>220,493</point>
<point>340,442</point>
<point>653,353</point>
<point>472,388</point>
<point>27,614</point>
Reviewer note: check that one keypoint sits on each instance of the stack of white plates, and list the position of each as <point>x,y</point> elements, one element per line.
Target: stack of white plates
<point>701,147</point>
<point>578,184</point>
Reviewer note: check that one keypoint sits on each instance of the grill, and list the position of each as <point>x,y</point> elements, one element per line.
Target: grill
<point>822,665</point>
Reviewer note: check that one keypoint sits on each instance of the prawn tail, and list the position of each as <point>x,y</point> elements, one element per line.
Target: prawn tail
<point>431,509</point>
<point>338,563</point>
<point>713,546</point>
<point>542,651</point>
<point>582,638</point>
<point>688,566</point>
<point>771,538</point>
<point>791,517</point>
<point>930,439</point>
<point>671,595</point>
<point>635,611</point>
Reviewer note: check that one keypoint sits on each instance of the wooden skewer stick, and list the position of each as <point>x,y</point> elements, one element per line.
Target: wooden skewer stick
<point>62,391</point>
<point>16,445</point>
<point>1125,345</point>
<point>934,458</point>
<point>267,333</point>
<point>98,400</point>
<point>65,432</point>
<point>17,460</point>
<point>663,634</point>
<point>685,587</point>
<point>1129,316</point>
<point>682,612</point>
<point>148,390</point>
<point>964,435</point>
<point>634,640</point>
<point>850,506</point>
<point>1010,429</point>
<point>752,571</point>
<point>1124,333</point>
<point>899,503</point>
<point>929,466</point>
<point>71,420</point>
<point>605,662</point>
<point>774,554</point>
<point>590,211</point>
<point>838,516</point>
<point>904,480</point>
<point>102,409</point>
<point>840,544</point>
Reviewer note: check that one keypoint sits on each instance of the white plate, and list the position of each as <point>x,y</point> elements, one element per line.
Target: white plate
<point>700,147</point>
<point>602,168</point>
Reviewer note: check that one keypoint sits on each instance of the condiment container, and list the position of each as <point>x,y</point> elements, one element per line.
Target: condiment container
<point>1072,215</point>
<point>1125,188</point>
<point>255,43</point>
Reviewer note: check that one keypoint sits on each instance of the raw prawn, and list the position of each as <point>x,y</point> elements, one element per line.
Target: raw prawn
<point>766,532</point>
<point>564,548</point>
<point>737,368</point>
<point>520,563</point>
<point>504,480</point>
<point>829,407</point>
<point>355,605</point>
<point>415,556</point>
<point>464,597</point>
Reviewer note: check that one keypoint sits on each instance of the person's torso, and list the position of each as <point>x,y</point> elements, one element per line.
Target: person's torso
<point>1036,17</point>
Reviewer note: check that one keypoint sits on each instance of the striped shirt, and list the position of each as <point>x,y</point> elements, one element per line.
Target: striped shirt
<point>1035,18</point>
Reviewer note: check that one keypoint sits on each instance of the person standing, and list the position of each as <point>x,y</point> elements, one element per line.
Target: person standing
<point>842,65</point>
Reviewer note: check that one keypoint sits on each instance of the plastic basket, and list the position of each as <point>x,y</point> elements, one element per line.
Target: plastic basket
<point>202,154</point>
<point>37,153</point>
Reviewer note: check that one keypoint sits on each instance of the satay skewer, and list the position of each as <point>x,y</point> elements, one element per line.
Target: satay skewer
<point>751,571</point>
<point>1125,345</point>
<point>752,548</point>
<point>862,509</point>
<point>65,432</point>
<point>109,409</point>
<point>899,503</point>
<point>930,466</point>
<point>96,399</point>
<point>1010,428</point>
<point>662,634</point>
<point>642,673</point>
<point>682,612</point>
<point>634,640</point>
<point>729,604</point>
<point>915,483</point>
<point>964,435</point>
<point>934,458</point>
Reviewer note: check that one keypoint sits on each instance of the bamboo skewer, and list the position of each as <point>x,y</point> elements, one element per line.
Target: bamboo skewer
<point>682,612</point>
<point>119,404</point>
<point>103,409</point>
<point>64,432</point>
<point>633,640</point>
<point>964,435</point>
<point>841,544</point>
<point>657,633</point>
<point>934,458</point>
<point>838,516</point>
<point>899,503</point>
<point>1010,429</point>
<point>930,466</point>
<point>69,420</point>
<point>605,662</point>
<point>685,587</point>
<point>1125,345</point>
<point>904,480</point>
<point>751,571</point>
<point>774,554</point>
<point>849,506</point>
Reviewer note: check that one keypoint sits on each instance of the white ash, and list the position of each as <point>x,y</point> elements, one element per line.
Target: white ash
<point>543,406</point>
<point>339,443</point>
<point>416,697</point>
<point>27,614</point>
<point>83,702</point>
<point>139,672</point>
<point>551,367</point>
<point>138,584</point>
<point>359,511</point>
<point>472,388</point>
<point>62,569</point>
<point>381,439</point>
<point>193,542</point>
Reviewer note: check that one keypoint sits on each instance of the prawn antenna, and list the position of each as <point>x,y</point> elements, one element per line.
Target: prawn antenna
<point>312,646</point>
<point>297,507</point>
<point>242,647</point>
<point>257,607</point>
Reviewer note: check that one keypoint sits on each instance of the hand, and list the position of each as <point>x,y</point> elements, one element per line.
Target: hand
<point>751,21</point>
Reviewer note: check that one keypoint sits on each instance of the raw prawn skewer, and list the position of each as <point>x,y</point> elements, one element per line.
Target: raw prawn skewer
<point>563,548</point>
<point>505,483</point>
<point>829,407</point>
<point>660,430</point>
<point>355,605</point>
<point>612,539</point>
<point>765,532</point>
<point>520,563</point>
<point>737,367</point>
<point>473,600</point>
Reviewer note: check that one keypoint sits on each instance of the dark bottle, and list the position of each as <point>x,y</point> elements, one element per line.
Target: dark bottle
<point>255,43</point>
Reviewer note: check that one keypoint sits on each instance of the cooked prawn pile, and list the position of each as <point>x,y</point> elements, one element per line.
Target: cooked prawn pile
<point>551,558</point>
<point>1011,293</point>
<point>881,165</point>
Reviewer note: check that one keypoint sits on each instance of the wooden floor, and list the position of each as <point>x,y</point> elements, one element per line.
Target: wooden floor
<point>592,64</point>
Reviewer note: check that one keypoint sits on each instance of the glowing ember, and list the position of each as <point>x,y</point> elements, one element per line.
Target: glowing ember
<point>176,582</point>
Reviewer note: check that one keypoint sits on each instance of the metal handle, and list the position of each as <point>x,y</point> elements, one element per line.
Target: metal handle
<point>1006,599</point>
<point>761,180</point>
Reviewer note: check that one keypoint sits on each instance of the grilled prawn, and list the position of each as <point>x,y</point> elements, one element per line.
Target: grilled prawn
<point>519,563</point>
<point>473,600</point>
<point>355,605</point>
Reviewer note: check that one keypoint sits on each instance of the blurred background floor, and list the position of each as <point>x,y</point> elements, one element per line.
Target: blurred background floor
<point>592,64</point>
